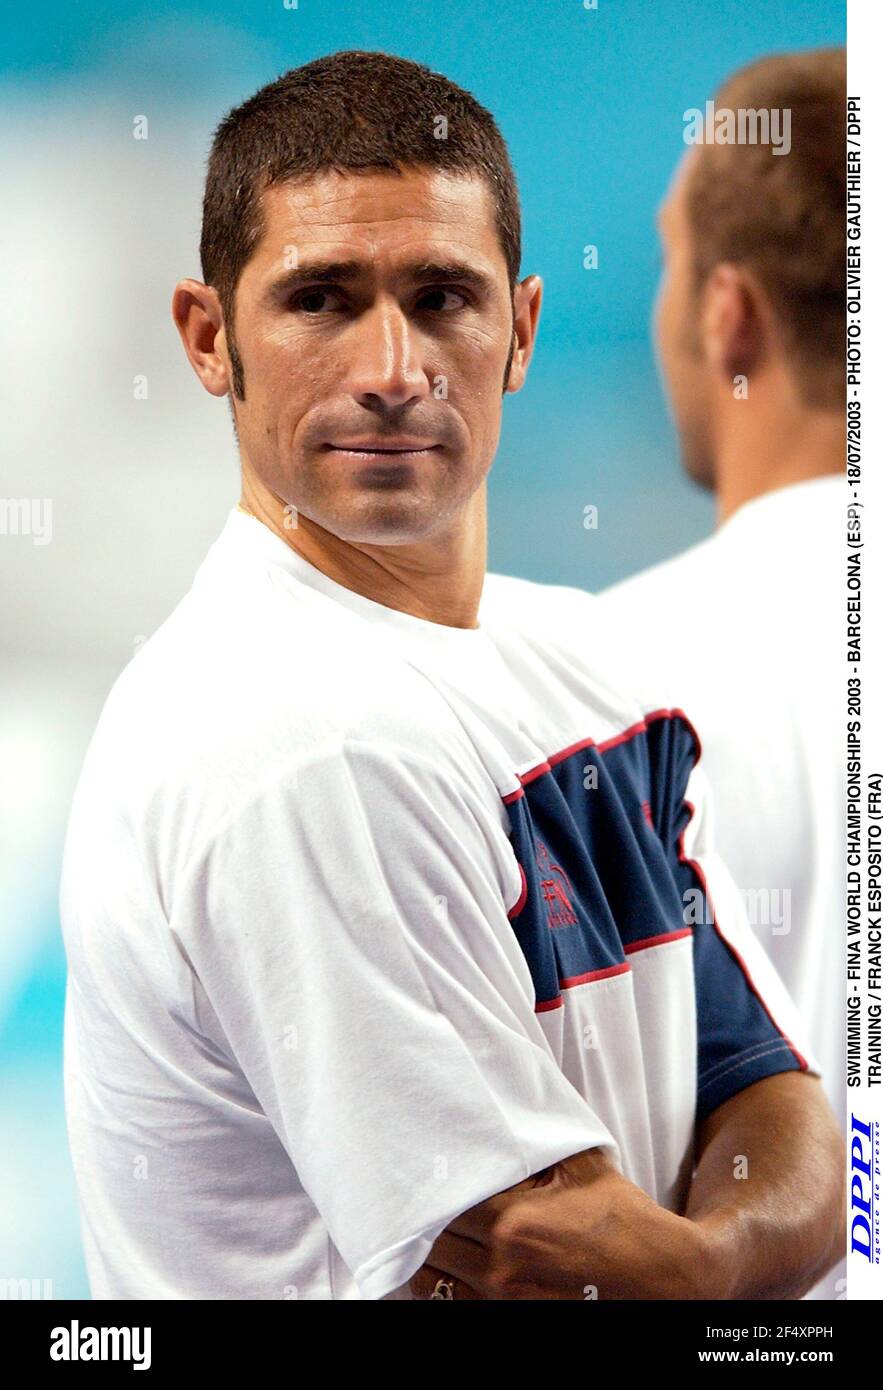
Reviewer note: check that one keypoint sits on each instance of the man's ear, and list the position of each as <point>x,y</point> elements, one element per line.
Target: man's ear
<point>526,301</point>
<point>196,310</point>
<point>734,324</point>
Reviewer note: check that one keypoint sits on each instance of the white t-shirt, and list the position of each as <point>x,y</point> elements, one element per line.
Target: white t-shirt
<point>368,918</point>
<point>746,630</point>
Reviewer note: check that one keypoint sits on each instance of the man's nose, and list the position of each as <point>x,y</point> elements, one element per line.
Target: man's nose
<point>388,364</point>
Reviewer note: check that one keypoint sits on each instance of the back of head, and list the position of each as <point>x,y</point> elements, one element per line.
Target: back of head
<point>780,210</point>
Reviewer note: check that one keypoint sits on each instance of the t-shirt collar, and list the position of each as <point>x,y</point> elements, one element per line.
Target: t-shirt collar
<point>247,530</point>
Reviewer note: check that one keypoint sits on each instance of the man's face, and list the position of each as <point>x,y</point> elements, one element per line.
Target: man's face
<point>375,311</point>
<point>678,344</point>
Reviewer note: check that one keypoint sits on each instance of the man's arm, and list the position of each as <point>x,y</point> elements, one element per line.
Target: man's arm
<point>351,946</point>
<point>765,1217</point>
<point>779,1228</point>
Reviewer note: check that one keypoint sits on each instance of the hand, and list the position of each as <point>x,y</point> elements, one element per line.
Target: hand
<point>579,1230</point>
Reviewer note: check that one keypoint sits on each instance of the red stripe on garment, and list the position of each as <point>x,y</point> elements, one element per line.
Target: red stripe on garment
<point>567,752</point>
<point>522,896</point>
<point>623,968</point>
<point>677,714</point>
<point>631,732</point>
<point>539,771</point>
<point>657,940</point>
<point>697,870</point>
<point>627,734</point>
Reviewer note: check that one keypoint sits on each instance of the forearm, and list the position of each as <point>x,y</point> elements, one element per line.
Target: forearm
<point>580,1230</point>
<point>765,1216</point>
<point>769,1189</point>
<point>618,1244</point>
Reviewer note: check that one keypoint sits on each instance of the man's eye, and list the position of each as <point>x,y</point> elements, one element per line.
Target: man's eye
<point>436,296</point>
<point>313,301</point>
<point>319,300</point>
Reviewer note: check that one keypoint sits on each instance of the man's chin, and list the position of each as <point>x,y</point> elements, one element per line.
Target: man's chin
<point>389,523</point>
<point>698,465</point>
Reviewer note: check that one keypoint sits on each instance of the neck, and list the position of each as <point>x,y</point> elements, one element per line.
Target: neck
<point>439,579</point>
<point>768,447</point>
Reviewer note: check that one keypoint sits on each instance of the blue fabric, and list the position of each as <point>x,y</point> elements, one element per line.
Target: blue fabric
<point>598,836</point>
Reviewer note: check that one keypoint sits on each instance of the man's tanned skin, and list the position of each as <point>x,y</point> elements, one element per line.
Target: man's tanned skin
<point>742,448</point>
<point>582,1227</point>
<point>385,351</point>
<point>336,360</point>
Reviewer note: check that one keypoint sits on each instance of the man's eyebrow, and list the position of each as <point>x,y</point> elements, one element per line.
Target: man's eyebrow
<point>431,272</point>
<point>345,272</point>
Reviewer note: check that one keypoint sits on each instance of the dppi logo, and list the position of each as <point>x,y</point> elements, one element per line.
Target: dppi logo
<point>864,1167</point>
<point>556,889</point>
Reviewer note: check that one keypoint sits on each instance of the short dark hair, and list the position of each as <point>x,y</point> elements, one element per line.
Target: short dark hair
<point>348,111</point>
<point>784,216</point>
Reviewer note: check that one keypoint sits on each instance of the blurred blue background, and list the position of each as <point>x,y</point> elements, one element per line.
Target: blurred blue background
<point>99,227</point>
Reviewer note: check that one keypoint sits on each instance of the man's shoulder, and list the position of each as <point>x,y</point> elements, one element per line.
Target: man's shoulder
<point>213,705</point>
<point>511,594</point>
<point>685,578</point>
<point>573,623</point>
<point>553,615</point>
<point>672,617</point>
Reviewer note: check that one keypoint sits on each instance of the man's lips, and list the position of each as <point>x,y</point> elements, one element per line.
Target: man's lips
<point>373,449</point>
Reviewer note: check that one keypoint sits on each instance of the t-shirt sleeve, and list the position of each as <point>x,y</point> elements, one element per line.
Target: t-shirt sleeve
<point>748,1027</point>
<point>349,929</point>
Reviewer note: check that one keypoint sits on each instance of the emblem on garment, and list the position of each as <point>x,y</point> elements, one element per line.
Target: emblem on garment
<point>556,889</point>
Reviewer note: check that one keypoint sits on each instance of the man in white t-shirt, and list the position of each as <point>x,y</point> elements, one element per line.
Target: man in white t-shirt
<point>751,327</point>
<point>387,890</point>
